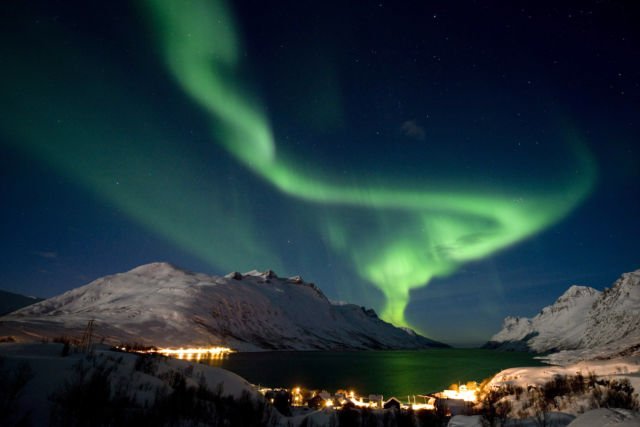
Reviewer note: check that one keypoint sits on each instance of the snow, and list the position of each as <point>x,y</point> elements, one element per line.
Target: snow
<point>594,418</point>
<point>561,325</point>
<point>531,378</point>
<point>159,304</point>
<point>600,417</point>
<point>619,368</point>
<point>50,371</point>
<point>582,323</point>
<point>555,420</point>
<point>604,417</point>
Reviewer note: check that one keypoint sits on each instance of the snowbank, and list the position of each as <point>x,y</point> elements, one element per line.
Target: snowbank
<point>604,417</point>
<point>49,371</point>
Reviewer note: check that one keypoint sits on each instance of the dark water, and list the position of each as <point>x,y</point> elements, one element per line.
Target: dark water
<point>398,373</point>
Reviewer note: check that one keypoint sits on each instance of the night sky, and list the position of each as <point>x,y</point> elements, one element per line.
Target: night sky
<point>447,163</point>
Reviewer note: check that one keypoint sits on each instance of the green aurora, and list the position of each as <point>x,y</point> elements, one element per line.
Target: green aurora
<point>445,229</point>
<point>412,231</point>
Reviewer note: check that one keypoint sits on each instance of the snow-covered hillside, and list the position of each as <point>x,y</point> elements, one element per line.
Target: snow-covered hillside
<point>159,304</point>
<point>581,319</point>
<point>521,389</point>
<point>126,386</point>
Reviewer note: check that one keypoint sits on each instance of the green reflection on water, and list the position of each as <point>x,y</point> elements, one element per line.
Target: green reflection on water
<point>391,373</point>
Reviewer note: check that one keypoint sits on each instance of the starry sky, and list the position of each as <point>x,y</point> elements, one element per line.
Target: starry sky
<point>447,163</point>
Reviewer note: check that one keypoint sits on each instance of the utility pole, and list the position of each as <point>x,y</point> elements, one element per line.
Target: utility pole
<point>85,344</point>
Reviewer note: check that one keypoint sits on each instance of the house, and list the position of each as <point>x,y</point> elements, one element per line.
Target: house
<point>375,400</point>
<point>392,403</point>
<point>325,395</point>
<point>316,402</point>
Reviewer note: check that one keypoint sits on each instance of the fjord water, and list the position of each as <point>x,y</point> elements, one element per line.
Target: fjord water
<point>391,373</point>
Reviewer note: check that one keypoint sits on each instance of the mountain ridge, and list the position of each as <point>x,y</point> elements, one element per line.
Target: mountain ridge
<point>163,305</point>
<point>581,319</point>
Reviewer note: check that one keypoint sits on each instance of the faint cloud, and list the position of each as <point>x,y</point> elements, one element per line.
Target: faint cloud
<point>46,254</point>
<point>412,129</point>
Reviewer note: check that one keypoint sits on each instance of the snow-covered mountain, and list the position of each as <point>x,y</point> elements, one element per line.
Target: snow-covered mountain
<point>581,319</point>
<point>159,304</point>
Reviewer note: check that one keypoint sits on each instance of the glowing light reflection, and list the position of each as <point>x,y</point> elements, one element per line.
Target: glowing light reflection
<point>189,353</point>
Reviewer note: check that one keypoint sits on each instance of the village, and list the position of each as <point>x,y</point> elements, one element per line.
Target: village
<point>458,399</point>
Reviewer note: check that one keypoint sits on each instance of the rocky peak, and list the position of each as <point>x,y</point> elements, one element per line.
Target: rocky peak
<point>573,296</point>
<point>234,275</point>
<point>511,322</point>
<point>158,304</point>
<point>576,291</point>
<point>296,279</point>
<point>582,318</point>
<point>156,269</point>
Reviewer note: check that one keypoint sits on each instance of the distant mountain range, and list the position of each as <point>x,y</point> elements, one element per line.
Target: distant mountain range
<point>159,304</point>
<point>582,318</point>
<point>11,302</point>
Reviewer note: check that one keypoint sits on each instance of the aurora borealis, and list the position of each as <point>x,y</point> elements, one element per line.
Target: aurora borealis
<point>447,228</point>
<point>235,137</point>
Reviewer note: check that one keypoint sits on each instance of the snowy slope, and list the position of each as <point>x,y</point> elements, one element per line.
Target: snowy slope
<point>615,317</point>
<point>574,404</point>
<point>158,304</point>
<point>558,326</point>
<point>50,372</point>
<point>581,319</point>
